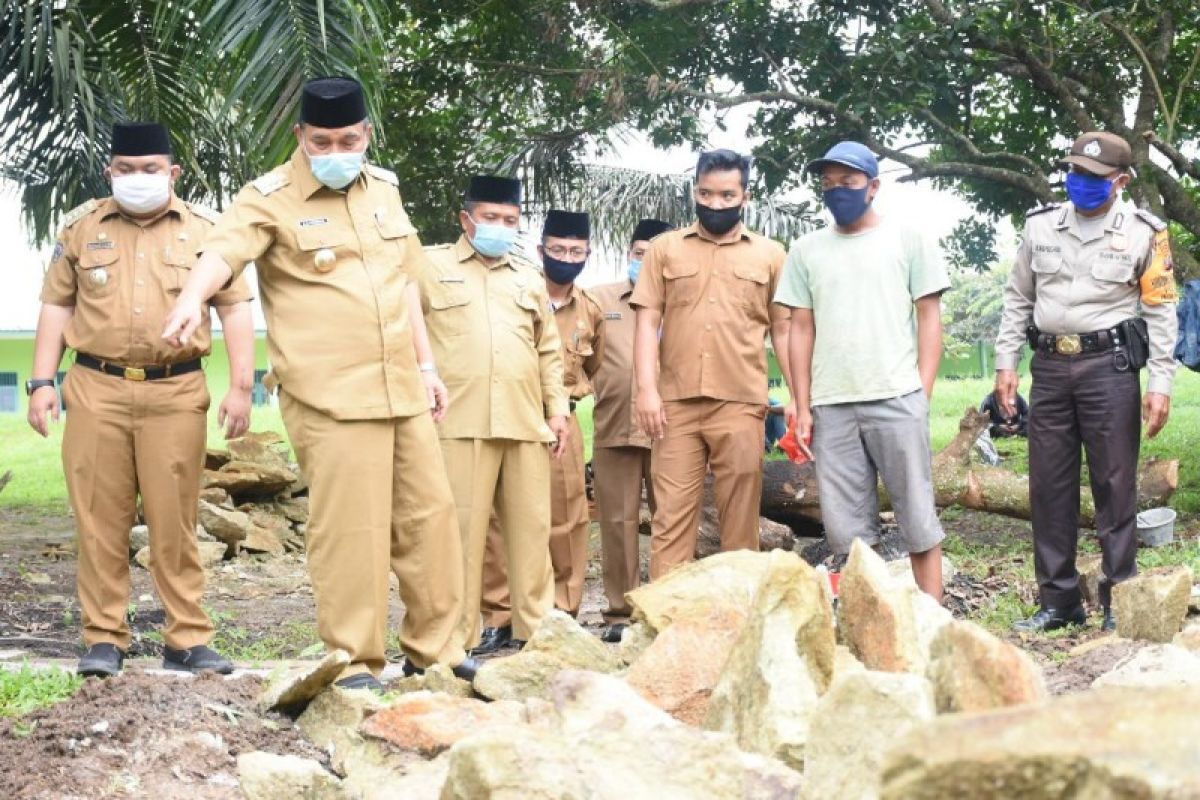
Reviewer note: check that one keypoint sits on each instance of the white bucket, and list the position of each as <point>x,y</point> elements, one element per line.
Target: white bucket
<point>1156,526</point>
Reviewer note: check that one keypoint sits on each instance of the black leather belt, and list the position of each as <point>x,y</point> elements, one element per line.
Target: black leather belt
<point>1076,343</point>
<point>137,373</point>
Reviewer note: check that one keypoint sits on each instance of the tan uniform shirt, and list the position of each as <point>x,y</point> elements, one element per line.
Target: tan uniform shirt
<point>332,267</point>
<point>716,305</point>
<point>123,275</point>
<point>495,343</point>
<point>615,415</point>
<point>1065,283</point>
<point>581,331</point>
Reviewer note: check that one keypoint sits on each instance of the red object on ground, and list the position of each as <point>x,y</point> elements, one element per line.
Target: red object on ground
<point>834,579</point>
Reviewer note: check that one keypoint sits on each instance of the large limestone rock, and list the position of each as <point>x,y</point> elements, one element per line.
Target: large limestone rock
<point>267,776</point>
<point>887,623</point>
<point>437,678</point>
<point>211,554</point>
<point>610,744</point>
<point>1188,638</point>
<point>139,537</point>
<point>782,663</point>
<point>680,667</point>
<point>1156,665</point>
<point>1091,570</point>
<point>901,571</point>
<point>972,670</point>
<point>558,644</point>
<point>336,712</point>
<point>1152,605</point>
<point>428,723</point>
<point>724,581</point>
<point>295,688</point>
<point>225,525</point>
<point>268,448</point>
<point>246,479</point>
<point>855,724</point>
<point>267,535</point>
<point>636,640</point>
<point>1110,743</point>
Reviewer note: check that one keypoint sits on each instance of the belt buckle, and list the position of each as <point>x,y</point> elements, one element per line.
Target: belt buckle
<point>1069,345</point>
<point>135,374</point>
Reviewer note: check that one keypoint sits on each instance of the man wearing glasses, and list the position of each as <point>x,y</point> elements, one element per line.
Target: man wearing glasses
<point>1093,292</point>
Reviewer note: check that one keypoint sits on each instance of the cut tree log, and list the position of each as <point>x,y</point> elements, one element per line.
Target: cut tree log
<point>791,496</point>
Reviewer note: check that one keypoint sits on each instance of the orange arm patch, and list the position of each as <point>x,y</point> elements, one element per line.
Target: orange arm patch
<point>1158,281</point>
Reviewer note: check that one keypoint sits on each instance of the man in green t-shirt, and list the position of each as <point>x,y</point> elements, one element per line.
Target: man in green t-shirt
<point>866,341</point>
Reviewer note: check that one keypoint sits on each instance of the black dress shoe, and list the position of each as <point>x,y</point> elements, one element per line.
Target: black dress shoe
<point>466,670</point>
<point>101,661</point>
<point>612,634</point>
<point>361,680</point>
<point>200,658</point>
<point>516,644</point>
<point>1110,620</point>
<point>492,639</point>
<point>1051,619</point>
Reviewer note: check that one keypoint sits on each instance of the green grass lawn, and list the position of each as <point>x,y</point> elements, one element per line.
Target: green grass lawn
<point>38,480</point>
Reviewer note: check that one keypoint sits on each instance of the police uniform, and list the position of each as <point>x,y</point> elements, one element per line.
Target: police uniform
<point>496,346</point>
<point>333,268</point>
<point>1076,279</point>
<point>715,300</point>
<point>137,419</point>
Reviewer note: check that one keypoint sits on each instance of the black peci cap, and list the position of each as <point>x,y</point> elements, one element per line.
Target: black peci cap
<point>494,189</point>
<point>567,224</point>
<point>332,103</point>
<point>140,139</point>
<point>647,229</point>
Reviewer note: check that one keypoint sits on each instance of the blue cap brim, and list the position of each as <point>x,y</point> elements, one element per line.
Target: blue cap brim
<point>819,163</point>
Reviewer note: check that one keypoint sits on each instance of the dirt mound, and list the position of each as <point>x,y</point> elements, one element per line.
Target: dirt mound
<point>142,735</point>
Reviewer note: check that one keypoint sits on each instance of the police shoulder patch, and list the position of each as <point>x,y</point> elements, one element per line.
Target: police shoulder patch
<point>79,212</point>
<point>204,212</point>
<point>385,175</point>
<point>273,181</point>
<point>1151,220</point>
<point>1033,212</point>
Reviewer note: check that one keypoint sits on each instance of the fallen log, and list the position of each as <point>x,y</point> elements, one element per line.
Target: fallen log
<point>791,495</point>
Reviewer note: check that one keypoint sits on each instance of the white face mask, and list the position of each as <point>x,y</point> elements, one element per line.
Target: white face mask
<point>141,193</point>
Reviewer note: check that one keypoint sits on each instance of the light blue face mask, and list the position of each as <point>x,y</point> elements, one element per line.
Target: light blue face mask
<point>635,269</point>
<point>493,241</point>
<point>337,170</point>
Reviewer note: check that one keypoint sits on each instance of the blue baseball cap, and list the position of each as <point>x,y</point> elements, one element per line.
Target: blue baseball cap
<point>851,154</point>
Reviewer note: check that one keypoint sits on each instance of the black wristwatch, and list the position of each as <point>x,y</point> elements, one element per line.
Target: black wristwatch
<point>34,385</point>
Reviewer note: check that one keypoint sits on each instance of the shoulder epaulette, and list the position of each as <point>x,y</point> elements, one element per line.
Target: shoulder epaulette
<point>79,212</point>
<point>385,175</point>
<point>204,212</point>
<point>1151,220</point>
<point>271,182</point>
<point>1033,212</point>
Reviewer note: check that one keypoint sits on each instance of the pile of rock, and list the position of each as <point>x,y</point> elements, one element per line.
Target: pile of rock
<point>743,679</point>
<point>253,500</point>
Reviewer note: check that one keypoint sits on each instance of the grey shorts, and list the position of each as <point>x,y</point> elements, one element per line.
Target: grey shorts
<point>856,444</point>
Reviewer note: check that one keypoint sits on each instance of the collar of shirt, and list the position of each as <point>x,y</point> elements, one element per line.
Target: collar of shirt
<point>1069,220</point>
<point>695,230</point>
<point>463,251</point>
<point>627,291</point>
<point>308,185</point>
<point>572,296</point>
<point>109,207</point>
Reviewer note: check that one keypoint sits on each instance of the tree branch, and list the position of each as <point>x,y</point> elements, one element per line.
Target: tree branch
<point>1178,160</point>
<point>963,141</point>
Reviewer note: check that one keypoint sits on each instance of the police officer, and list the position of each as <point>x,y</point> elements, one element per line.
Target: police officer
<point>137,423</point>
<point>337,263</point>
<point>1093,290</point>
<point>492,329</point>
<point>704,309</point>
<point>620,450</point>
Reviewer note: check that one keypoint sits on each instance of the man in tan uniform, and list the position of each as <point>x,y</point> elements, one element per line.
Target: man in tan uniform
<point>620,450</point>
<point>705,291</point>
<point>137,407</point>
<point>564,251</point>
<point>490,325</point>
<point>337,262</point>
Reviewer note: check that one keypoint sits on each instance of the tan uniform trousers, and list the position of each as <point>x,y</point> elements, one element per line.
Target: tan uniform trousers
<point>378,500</point>
<point>508,477</point>
<point>569,524</point>
<point>621,472</point>
<point>704,433</point>
<point>125,438</point>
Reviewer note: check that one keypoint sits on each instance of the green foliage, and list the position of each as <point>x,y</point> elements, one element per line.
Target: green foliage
<point>971,310</point>
<point>30,688</point>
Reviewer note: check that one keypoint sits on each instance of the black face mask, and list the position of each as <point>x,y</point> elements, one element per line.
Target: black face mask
<point>718,220</point>
<point>562,272</point>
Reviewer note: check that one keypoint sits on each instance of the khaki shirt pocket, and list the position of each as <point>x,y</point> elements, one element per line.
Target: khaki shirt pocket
<point>98,273</point>
<point>1046,265</point>
<point>395,229</point>
<point>751,285</point>
<point>314,242</point>
<point>177,265</point>
<point>449,304</point>
<point>681,283</point>
<point>1109,272</point>
<point>528,315</point>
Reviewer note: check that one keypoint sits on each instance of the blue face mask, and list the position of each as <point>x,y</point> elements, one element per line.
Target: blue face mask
<point>635,269</point>
<point>1088,192</point>
<point>847,205</point>
<point>493,241</point>
<point>562,272</point>
<point>337,170</point>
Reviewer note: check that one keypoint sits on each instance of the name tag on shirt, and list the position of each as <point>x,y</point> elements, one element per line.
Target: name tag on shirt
<point>107,244</point>
<point>612,315</point>
<point>451,279</point>
<point>314,222</point>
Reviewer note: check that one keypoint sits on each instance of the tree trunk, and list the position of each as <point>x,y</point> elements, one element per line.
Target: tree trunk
<point>790,494</point>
